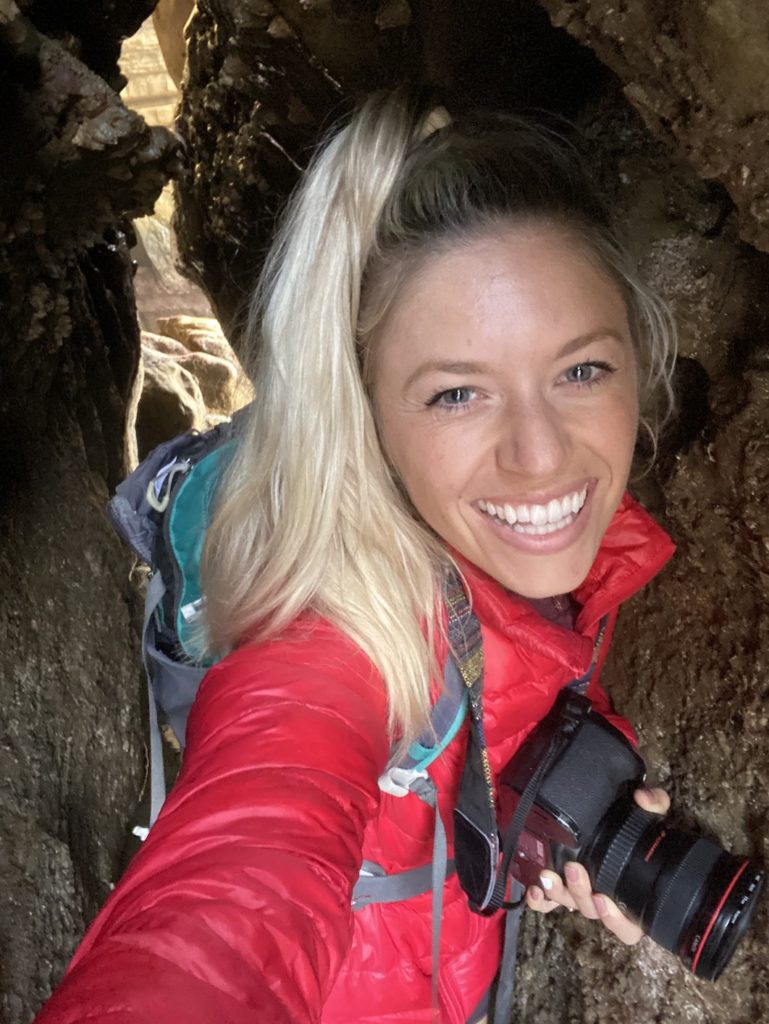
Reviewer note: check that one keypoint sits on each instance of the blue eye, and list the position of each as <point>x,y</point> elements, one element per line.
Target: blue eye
<point>588,373</point>
<point>452,398</point>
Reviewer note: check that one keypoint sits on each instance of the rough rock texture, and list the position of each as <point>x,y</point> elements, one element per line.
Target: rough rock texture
<point>170,401</point>
<point>697,72</point>
<point>75,164</point>
<point>191,379</point>
<point>265,79</point>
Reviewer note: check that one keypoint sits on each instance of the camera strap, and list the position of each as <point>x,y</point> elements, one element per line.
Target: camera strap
<point>477,786</point>
<point>570,721</point>
<point>476,795</point>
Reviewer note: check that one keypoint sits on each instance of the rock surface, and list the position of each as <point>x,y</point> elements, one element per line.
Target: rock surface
<point>170,18</point>
<point>191,380</point>
<point>75,165</point>
<point>265,79</point>
<point>698,75</point>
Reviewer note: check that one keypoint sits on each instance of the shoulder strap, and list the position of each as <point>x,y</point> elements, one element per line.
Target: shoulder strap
<point>410,775</point>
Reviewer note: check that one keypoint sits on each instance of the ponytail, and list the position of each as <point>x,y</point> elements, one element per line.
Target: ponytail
<point>309,516</point>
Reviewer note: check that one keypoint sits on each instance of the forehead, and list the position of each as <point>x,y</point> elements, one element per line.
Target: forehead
<point>518,285</point>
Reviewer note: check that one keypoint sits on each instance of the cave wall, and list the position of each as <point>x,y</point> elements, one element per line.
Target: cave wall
<point>697,73</point>
<point>76,166</point>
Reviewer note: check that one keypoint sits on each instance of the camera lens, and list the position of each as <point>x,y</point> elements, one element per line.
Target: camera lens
<point>722,914</point>
<point>688,894</point>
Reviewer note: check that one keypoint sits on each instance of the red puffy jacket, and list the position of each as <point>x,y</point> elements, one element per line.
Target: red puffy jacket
<point>237,908</point>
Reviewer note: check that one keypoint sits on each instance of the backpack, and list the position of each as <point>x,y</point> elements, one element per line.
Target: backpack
<point>162,511</point>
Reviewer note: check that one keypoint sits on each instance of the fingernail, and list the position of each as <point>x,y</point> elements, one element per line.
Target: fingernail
<point>600,905</point>
<point>572,873</point>
<point>545,882</point>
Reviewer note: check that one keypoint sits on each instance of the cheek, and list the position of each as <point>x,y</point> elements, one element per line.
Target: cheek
<point>621,435</point>
<point>427,468</point>
<point>420,462</point>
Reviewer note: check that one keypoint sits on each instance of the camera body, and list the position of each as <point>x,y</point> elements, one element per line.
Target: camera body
<point>567,795</point>
<point>595,775</point>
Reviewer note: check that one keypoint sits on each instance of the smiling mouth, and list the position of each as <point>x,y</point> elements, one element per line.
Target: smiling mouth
<point>535,519</point>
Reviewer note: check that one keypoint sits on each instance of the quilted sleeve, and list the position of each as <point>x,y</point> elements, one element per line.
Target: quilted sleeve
<point>237,908</point>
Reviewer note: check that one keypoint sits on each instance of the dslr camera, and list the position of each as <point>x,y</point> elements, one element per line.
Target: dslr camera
<point>687,893</point>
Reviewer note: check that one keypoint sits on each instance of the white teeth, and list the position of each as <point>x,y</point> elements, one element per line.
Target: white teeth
<point>538,515</point>
<point>554,511</point>
<point>557,514</point>
<point>547,528</point>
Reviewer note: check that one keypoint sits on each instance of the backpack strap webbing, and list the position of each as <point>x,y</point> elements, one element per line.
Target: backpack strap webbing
<point>466,658</point>
<point>155,590</point>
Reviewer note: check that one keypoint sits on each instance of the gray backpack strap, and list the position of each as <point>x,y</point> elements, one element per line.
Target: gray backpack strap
<point>426,791</point>
<point>153,597</point>
<point>505,987</point>
<point>374,886</point>
<point>171,684</point>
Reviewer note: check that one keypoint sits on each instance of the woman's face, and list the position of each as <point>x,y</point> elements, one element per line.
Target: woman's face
<point>505,393</point>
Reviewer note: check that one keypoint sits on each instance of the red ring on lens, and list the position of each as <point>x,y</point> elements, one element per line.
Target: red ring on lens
<point>716,912</point>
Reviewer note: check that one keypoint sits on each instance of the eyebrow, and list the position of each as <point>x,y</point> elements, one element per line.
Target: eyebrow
<point>472,368</point>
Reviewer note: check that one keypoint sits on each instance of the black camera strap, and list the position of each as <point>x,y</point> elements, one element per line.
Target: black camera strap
<point>476,794</point>
<point>574,714</point>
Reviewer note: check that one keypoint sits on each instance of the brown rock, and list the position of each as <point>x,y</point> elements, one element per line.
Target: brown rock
<point>162,343</point>
<point>198,334</point>
<point>697,73</point>
<point>206,353</point>
<point>171,401</point>
<point>170,19</point>
<point>217,379</point>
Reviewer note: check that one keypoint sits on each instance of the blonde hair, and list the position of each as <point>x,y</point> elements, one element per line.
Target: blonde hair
<point>310,516</point>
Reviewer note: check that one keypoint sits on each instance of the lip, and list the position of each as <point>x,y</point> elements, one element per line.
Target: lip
<point>546,543</point>
<point>543,497</point>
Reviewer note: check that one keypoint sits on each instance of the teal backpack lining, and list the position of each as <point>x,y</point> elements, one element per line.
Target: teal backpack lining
<point>185,523</point>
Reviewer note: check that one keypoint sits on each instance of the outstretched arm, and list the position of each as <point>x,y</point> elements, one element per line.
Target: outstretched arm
<point>237,908</point>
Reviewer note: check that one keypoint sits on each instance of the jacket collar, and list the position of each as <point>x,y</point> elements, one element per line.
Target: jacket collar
<point>634,549</point>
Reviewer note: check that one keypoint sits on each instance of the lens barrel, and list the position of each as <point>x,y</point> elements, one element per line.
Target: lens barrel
<point>688,894</point>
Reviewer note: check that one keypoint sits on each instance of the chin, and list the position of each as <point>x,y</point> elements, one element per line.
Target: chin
<point>545,582</point>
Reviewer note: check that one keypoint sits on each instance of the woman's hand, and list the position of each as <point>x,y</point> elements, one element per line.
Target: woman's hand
<point>576,892</point>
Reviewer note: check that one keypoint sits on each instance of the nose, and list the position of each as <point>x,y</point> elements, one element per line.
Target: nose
<point>534,439</point>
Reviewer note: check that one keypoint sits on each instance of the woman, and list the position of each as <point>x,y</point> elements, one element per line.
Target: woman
<point>452,355</point>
